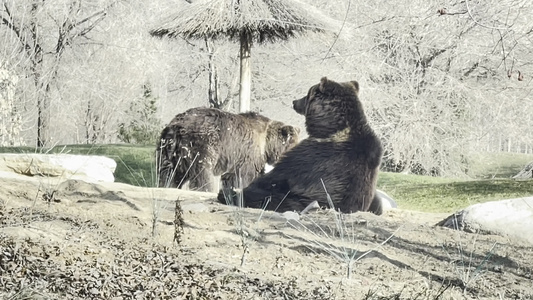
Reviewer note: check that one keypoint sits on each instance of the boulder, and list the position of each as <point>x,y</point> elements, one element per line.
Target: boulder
<point>511,217</point>
<point>526,172</point>
<point>386,201</point>
<point>58,166</point>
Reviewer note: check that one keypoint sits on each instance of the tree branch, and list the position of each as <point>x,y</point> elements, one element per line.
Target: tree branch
<point>10,23</point>
<point>482,25</point>
<point>65,32</point>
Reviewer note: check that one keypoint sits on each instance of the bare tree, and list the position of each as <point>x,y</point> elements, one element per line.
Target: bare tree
<point>43,38</point>
<point>437,78</point>
<point>438,82</point>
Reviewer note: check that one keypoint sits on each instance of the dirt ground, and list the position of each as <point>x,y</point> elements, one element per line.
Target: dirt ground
<point>76,240</point>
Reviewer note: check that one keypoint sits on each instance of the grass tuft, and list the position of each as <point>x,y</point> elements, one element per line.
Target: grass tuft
<point>467,265</point>
<point>339,243</point>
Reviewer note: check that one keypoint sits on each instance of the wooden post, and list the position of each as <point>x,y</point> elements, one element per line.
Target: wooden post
<point>212,92</point>
<point>246,71</point>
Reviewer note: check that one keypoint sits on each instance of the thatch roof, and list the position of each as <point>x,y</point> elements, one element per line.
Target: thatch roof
<point>265,20</point>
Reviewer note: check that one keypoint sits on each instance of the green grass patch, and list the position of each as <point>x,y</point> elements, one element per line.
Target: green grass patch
<point>433,194</point>
<point>492,165</point>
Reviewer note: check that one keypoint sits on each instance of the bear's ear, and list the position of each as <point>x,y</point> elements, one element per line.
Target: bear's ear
<point>322,85</point>
<point>356,86</point>
<point>296,129</point>
<point>288,132</point>
<point>329,87</point>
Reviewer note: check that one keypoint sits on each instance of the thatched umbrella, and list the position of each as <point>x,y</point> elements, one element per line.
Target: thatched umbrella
<point>247,21</point>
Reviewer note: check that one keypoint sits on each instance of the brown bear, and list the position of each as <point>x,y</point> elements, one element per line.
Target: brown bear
<point>201,144</point>
<point>342,151</point>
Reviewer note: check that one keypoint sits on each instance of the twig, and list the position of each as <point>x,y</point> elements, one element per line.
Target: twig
<point>340,30</point>
<point>475,21</point>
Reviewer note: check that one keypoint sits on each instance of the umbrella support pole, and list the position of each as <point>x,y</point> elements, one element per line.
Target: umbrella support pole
<point>246,72</point>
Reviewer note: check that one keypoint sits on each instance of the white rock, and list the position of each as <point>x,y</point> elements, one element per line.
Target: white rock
<point>387,203</point>
<point>511,217</point>
<point>62,166</point>
<point>290,215</point>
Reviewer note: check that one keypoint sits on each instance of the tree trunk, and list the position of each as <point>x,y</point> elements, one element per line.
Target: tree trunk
<point>246,72</point>
<point>41,95</point>
<point>88,122</point>
<point>43,119</point>
<point>31,36</point>
<point>214,99</point>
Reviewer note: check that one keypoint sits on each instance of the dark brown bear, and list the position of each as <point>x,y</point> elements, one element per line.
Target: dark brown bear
<point>342,151</point>
<point>201,144</point>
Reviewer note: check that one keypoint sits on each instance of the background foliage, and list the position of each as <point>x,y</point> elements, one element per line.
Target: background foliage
<point>441,81</point>
<point>144,126</point>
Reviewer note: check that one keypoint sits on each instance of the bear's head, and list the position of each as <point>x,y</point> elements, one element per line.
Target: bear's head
<point>280,139</point>
<point>331,108</point>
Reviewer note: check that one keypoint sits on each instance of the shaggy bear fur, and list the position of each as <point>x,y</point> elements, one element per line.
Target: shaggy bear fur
<point>201,144</point>
<point>342,151</point>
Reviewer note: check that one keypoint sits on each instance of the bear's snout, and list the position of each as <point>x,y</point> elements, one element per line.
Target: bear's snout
<point>299,106</point>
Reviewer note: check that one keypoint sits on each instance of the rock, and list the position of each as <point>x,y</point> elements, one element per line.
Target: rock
<point>59,166</point>
<point>290,215</point>
<point>526,172</point>
<point>511,217</point>
<point>386,201</point>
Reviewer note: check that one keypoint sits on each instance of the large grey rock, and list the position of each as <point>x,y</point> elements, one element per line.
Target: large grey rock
<point>511,217</point>
<point>526,172</point>
<point>58,166</point>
